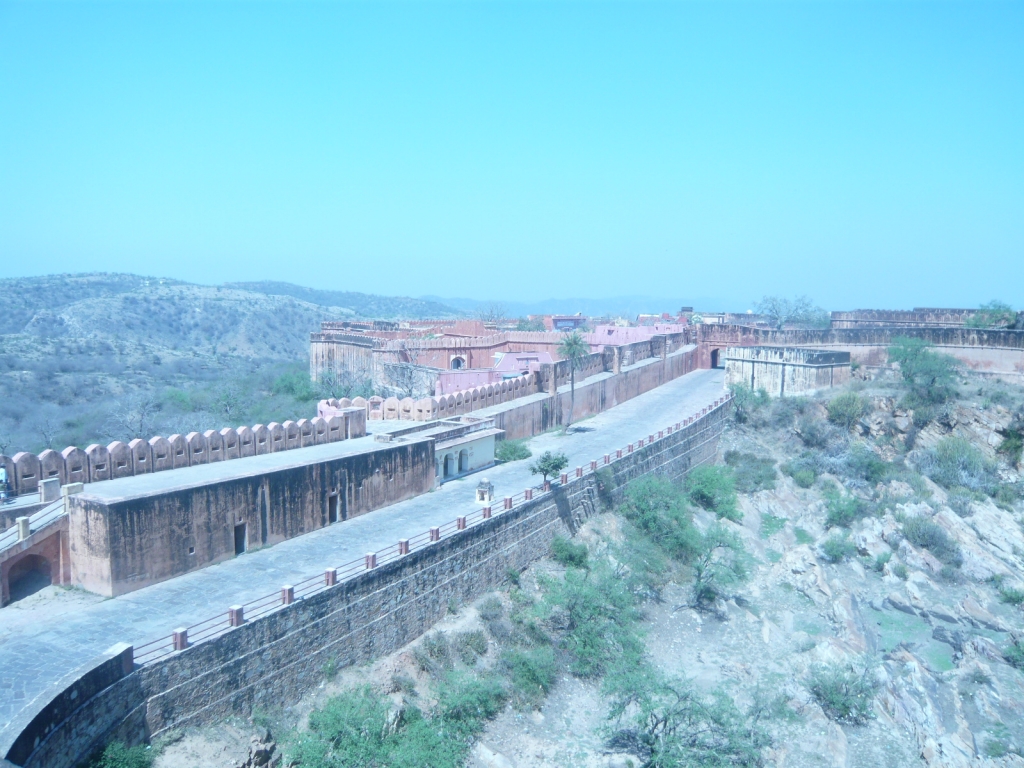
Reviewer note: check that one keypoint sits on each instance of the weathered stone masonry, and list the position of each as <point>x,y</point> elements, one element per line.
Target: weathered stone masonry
<point>281,656</point>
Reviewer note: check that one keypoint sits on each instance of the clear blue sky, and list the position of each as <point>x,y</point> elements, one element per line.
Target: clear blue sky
<point>867,154</point>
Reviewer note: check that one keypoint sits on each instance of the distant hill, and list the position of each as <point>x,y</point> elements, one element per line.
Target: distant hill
<point>362,304</point>
<point>79,352</point>
<point>616,306</point>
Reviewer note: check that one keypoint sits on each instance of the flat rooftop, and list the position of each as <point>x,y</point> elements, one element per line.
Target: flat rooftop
<point>171,480</point>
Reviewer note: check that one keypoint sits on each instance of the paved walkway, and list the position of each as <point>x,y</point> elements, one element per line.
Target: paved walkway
<point>41,640</point>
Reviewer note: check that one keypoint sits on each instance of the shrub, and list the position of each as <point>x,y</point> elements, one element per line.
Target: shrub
<point>1011,595</point>
<point>816,433</point>
<point>802,472</point>
<point>928,375</point>
<point>358,728</point>
<point>569,554</point>
<point>785,410</point>
<point>900,571</point>
<point>512,450</point>
<point>549,464</point>
<point>714,489</point>
<point>847,409</point>
<point>863,463</point>
<point>1014,653</point>
<point>1012,445</point>
<point>117,755</point>
<point>746,403</point>
<point>959,500</point>
<point>434,655</point>
<point>720,563</point>
<point>469,645</point>
<point>881,560</point>
<point>531,673</point>
<point>674,725</point>
<point>837,548</point>
<point>598,615</point>
<point>751,473</point>
<point>846,694</point>
<point>659,510</point>
<point>770,525</point>
<point>492,608</point>
<point>922,532</point>
<point>1006,494</point>
<point>802,536</point>
<point>470,698</point>
<point>955,463</point>
<point>844,510</point>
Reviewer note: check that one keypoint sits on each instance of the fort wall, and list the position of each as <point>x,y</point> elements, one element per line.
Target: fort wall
<point>122,543</point>
<point>280,657</point>
<point>994,352</point>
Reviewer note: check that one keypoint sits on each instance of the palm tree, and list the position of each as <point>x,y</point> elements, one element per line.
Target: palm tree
<point>573,349</point>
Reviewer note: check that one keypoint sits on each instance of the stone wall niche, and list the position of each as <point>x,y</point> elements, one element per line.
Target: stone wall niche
<point>291,435</point>
<point>179,451</point>
<point>246,442</point>
<point>198,452</point>
<point>99,463</point>
<point>335,429</point>
<point>142,456</point>
<point>306,437</point>
<point>262,440</point>
<point>214,445</point>
<point>161,454</point>
<point>319,430</point>
<point>51,466</point>
<point>230,439</point>
<point>277,437</point>
<point>76,465</point>
<point>120,460</point>
<point>26,473</point>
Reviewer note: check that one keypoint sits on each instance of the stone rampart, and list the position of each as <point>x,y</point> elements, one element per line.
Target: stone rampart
<point>140,457</point>
<point>996,352</point>
<point>786,371</point>
<point>125,540</point>
<point>280,657</point>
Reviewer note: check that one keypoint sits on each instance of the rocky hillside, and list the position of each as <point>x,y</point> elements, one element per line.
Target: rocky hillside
<point>80,355</point>
<point>844,589</point>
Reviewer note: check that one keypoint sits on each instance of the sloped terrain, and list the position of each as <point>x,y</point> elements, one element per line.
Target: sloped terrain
<point>83,357</point>
<point>844,589</point>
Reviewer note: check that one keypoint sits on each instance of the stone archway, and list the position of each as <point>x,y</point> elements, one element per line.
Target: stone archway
<point>458,363</point>
<point>463,460</point>
<point>450,467</point>
<point>28,575</point>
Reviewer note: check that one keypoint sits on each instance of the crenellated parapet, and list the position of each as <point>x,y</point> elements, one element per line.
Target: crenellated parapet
<point>25,471</point>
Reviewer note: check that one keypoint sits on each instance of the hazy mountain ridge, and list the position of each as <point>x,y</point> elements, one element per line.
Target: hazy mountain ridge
<point>78,352</point>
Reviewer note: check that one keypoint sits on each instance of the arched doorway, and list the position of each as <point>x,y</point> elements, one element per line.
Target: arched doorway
<point>449,465</point>
<point>457,363</point>
<point>28,576</point>
<point>463,461</point>
<point>714,358</point>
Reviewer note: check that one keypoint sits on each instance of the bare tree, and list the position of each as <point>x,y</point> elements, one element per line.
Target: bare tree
<point>134,417</point>
<point>337,384</point>
<point>493,312</point>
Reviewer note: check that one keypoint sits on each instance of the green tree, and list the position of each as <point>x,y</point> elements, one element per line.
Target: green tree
<point>573,349</point>
<point>994,314</point>
<point>549,463</point>
<point>847,409</point>
<point>928,374</point>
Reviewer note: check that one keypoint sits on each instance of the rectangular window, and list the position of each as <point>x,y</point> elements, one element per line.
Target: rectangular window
<point>240,538</point>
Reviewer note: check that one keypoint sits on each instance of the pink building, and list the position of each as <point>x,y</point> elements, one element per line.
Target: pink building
<point>508,365</point>
<point>614,335</point>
